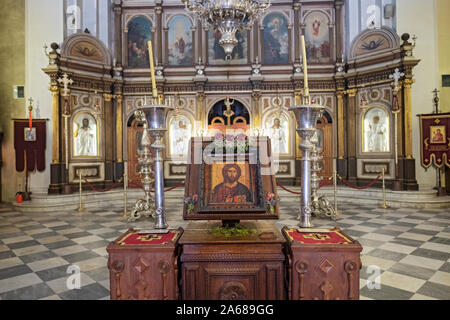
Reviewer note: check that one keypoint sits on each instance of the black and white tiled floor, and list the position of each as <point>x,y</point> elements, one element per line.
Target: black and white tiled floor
<point>409,247</point>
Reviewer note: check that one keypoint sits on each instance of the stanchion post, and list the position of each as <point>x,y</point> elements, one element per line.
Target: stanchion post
<point>125,190</point>
<point>384,205</point>
<point>81,209</point>
<point>336,211</point>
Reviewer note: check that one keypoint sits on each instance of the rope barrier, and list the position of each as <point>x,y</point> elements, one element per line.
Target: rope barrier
<point>323,183</point>
<point>348,184</point>
<point>286,189</point>
<point>326,183</point>
<point>138,185</point>
<point>103,190</point>
<point>135,184</point>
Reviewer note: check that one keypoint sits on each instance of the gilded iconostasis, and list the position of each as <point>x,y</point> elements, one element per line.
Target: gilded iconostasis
<point>251,93</point>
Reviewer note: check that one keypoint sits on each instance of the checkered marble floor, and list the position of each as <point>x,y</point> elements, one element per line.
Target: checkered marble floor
<point>410,248</point>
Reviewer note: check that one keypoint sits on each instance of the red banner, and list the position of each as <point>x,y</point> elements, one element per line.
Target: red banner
<point>30,144</point>
<point>435,139</point>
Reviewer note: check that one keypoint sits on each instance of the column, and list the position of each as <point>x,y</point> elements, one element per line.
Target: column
<point>56,156</point>
<point>409,166</point>
<point>256,43</point>
<point>261,42</point>
<point>341,126</point>
<point>290,30</point>
<point>109,139</point>
<point>119,129</point>
<point>407,83</point>
<point>199,52</point>
<point>256,95</point>
<point>159,31</point>
<point>341,162</point>
<point>297,6</point>
<point>194,43</point>
<point>118,137</point>
<point>56,168</point>
<point>125,40</point>
<point>65,126</point>
<point>201,109</point>
<point>339,30</point>
<point>118,35</point>
<point>352,135</point>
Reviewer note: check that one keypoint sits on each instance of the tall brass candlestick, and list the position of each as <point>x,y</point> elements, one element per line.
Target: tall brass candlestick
<point>305,70</point>
<point>152,70</point>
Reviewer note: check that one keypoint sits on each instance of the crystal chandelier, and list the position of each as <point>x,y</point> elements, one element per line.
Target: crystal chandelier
<point>228,16</point>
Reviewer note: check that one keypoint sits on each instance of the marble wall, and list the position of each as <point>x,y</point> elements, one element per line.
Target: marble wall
<point>426,73</point>
<point>443,10</point>
<point>12,64</point>
<point>39,31</point>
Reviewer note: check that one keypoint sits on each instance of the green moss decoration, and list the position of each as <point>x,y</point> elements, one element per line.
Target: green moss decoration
<point>236,231</point>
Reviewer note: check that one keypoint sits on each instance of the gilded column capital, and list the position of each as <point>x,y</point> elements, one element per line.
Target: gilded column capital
<point>352,92</point>
<point>407,83</point>
<point>340,93</point>
<point>54,90</point>
<point>108,97</point>
<point>256,95</point>
<point>64,93</point>
<point>119,98</point>
<point>200,96</point>
<point>338,4</point>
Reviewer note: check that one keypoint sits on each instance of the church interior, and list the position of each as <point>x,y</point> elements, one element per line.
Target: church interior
<point>333,117</point>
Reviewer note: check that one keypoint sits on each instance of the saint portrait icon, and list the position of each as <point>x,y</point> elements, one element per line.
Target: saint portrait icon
<point>30,135</point>
<point>276,39</point>
<point>180,131</point>
<point>437,134</point>
<point>85,135</point>
<point>376,131</point>
<point>278,131</point>
<point>234,187</point>
<point>231,187</point>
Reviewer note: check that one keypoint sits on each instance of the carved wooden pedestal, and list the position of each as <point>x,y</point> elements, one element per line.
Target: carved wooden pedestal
<point>223,268</point>
<point>144,266</point>
<point>322,266</point>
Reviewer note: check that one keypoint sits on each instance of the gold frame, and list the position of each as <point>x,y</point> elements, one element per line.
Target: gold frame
<point>33,129</point>
<point>75,117</point>
<point>444,133</point>
<point>388,127</point>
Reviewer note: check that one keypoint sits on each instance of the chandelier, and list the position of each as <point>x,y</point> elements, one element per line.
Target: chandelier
<point>227,16</point>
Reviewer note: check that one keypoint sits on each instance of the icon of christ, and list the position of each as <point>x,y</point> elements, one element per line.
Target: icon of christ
<point>231,190</point>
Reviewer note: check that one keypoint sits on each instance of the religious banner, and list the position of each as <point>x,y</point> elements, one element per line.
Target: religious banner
<point>435,139</point>
<point>30,144</point>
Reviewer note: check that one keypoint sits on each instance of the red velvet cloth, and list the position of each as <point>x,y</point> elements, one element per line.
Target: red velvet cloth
<point>34,150</point>
<point>333,237</point>
<point>136,238</point>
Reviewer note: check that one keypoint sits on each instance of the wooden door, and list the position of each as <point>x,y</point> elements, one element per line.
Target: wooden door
<point>325,125</point>
<point>134,134</point>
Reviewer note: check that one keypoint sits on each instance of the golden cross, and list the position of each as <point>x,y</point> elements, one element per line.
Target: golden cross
<point>228,112</point>
<point>149,237</point>
<point>317,236</point>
